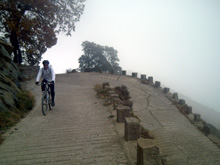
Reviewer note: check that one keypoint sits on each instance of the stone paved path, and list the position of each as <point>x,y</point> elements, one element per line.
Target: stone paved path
<point>78,130</point>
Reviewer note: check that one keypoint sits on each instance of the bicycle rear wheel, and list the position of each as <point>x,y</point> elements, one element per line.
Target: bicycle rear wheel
<point>44,103</point>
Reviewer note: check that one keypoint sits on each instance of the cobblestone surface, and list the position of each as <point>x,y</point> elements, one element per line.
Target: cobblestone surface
<point>78,130</point>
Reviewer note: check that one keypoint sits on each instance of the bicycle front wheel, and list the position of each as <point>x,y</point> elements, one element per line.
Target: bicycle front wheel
<point>50,102</point>
<point>44,103</point>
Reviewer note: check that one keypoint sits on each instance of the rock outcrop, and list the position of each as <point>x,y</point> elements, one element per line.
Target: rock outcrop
<point>9,79</point>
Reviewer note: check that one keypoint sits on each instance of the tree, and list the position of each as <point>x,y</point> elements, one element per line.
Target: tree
<point>32,25</point>
<point>99,57</point>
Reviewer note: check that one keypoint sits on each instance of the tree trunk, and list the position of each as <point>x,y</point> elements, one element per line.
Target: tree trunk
<point>17,53</point>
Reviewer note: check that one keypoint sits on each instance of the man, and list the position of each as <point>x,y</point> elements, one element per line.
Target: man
<point>48,75</point>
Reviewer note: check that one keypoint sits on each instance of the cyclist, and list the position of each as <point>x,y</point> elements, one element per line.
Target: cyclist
<point>48,75</point>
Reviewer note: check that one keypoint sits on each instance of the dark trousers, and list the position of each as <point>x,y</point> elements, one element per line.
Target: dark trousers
<point>51,86</point>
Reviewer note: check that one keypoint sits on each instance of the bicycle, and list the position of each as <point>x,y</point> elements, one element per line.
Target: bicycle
<point>46,98</point>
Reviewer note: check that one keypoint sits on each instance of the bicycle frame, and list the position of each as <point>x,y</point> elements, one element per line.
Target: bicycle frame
<point>46,97</point>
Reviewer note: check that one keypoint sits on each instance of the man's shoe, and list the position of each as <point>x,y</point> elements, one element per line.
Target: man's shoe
<point>53,103</point>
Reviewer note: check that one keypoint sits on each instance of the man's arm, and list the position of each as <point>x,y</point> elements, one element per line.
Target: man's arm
<point>53,74</point>
<point>39,75</point>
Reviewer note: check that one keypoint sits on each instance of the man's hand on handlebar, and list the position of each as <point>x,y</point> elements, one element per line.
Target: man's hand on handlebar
<point>37,83</point>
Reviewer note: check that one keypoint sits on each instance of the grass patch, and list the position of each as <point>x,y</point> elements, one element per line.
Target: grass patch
<point>25,102</point>
<point>101,93</point>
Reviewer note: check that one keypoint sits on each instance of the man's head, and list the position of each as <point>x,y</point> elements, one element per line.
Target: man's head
<point>45,63</point>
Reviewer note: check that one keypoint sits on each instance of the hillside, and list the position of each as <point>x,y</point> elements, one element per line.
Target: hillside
<point>208,114</point>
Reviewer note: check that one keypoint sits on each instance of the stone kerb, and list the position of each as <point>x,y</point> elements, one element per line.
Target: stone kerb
<point>197,117</point>
<point>182,102</point>
<point>166,90</point>
<point>132,129</point>
<point>134,74</point>
<point>175,96</point>
<point>157,84</point>
<point>150,79</point>
<point>109,94</point>
<point>124,72</point>
<point>148,152</point>
<point>113,96</point>
<point>188,109</point>
<point>116,103</point>
<point>122,113</point>
<point>128,103</point>
<point>143,77</point>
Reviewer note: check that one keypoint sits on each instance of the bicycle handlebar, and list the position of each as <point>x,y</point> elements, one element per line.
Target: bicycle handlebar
<point>46,83</point>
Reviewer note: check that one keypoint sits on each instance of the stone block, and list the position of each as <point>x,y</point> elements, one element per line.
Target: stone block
<point>123,72</point>
<point>116,103</point>
<point>197,117</point>
<point>157,84</point>
<point>113,96</point>
<point>166,90</point>
<point>122,113</point>
<point>128,103</point>
<point>132,129</point>
<point>150,79</point>
<point>148,152</point>
<point>134,74</point>
<point>182,102</point>
<point>109,93</point>
<point>175,95</point>
<point>188,109</point>
<point>143,76</point>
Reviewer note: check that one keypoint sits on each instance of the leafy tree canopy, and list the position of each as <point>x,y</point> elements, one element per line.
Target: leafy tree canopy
<point>99,57</point>
<point>32,25</point>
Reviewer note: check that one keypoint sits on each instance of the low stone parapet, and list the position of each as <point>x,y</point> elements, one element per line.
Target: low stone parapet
<point>132,129</point>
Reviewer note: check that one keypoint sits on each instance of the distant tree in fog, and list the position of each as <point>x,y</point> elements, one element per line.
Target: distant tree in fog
<point>32,25</point>
<point>99,57</point>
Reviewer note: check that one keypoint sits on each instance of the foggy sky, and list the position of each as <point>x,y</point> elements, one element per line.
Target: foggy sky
<point>176,42</point>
